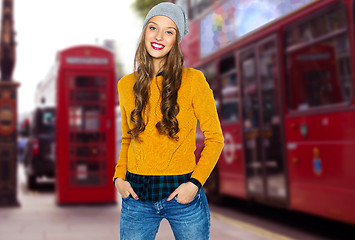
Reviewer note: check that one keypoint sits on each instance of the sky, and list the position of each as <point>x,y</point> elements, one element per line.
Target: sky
<point>45,26</point>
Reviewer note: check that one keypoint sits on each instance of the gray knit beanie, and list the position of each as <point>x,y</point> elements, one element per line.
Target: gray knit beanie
<point>172,11</point>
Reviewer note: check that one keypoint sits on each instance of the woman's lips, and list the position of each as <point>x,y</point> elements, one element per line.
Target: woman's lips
<point>157,46</point>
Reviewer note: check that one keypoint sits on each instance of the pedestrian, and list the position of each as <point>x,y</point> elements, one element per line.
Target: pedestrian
<point>160,102</point>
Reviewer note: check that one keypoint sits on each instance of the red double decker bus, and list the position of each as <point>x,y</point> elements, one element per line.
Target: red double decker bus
<point>81,89</point>
<point>282,77</point>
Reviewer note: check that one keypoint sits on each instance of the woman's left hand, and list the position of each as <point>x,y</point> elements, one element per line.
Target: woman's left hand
<point>185,193</point>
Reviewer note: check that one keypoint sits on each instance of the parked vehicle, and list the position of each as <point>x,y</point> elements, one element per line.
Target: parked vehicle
<point>39,152</point>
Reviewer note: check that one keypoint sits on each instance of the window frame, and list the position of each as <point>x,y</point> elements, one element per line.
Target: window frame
<point>217,88</point>
<point>227,74</point>
<point>286,50</point>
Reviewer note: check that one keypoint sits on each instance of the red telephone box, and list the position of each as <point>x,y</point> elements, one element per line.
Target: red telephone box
<point>85,128</point>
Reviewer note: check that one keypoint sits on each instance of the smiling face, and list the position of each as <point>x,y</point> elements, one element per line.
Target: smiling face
<point>160,36</point>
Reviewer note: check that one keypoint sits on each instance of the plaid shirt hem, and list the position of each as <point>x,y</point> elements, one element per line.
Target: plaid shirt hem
<point>155,188</point>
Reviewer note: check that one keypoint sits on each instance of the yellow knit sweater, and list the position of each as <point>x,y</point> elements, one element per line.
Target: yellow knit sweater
<point>158,154</point>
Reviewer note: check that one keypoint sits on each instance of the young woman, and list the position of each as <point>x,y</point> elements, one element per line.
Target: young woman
<point>156,172</point>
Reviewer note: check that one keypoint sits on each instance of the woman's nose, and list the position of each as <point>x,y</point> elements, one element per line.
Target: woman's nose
<point>159,36</point>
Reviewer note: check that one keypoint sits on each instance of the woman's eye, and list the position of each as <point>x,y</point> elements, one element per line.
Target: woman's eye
<point>152,28</point>
<point>170,32</point>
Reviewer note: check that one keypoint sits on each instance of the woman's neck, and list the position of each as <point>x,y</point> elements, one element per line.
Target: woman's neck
<point>158,64</point>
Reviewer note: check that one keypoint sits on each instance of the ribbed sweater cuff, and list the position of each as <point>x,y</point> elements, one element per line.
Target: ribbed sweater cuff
<point>114,181</point>
<point>196,182</point>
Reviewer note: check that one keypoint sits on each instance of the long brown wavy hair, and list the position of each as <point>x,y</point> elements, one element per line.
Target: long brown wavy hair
<point>172,74</point>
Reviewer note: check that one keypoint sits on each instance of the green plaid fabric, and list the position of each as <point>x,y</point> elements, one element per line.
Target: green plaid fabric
<point>155,188</point>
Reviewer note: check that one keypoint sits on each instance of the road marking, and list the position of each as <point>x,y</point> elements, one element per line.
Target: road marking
<point>250,228</point>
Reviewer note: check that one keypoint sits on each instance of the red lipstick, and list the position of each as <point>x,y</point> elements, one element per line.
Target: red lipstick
<point>157,46</point>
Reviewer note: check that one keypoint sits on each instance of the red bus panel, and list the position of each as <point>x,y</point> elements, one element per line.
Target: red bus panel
<point>285,97</point>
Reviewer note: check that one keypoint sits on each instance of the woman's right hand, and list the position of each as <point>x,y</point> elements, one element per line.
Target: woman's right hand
<point>125,188</point>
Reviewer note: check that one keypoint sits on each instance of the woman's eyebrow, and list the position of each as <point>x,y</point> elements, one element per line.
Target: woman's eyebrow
<point>157,24</point>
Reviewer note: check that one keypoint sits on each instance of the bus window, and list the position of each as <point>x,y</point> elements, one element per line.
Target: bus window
<point>230,90</point>
<point>268,78</point>
<point>250,102</point>
<point>210,73</point>
<point>318,61</point>
<point>48,120</point>
<point>44,121</point>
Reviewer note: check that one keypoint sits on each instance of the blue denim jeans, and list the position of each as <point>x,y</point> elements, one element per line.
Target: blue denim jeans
<point>140,220</point>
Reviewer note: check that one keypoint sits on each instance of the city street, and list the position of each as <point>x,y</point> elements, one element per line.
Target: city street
<point>39,218</point>
<point>254,96</point>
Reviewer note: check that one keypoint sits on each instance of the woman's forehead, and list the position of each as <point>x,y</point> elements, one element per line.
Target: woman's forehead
<point>163,21</point>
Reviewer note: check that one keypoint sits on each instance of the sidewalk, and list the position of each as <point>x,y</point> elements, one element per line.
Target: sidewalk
<point>39,218</point>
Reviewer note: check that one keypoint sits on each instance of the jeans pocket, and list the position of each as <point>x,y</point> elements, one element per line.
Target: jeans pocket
<point>126,198</point>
